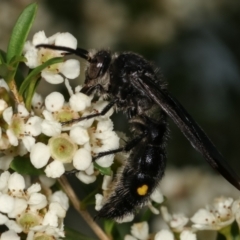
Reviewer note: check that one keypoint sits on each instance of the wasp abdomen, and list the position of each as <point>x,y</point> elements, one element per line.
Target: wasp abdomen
<point>141,174</point>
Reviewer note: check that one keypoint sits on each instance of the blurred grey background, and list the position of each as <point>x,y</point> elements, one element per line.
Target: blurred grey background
<point>196,43</point>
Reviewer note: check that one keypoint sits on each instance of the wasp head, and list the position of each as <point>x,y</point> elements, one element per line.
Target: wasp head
<point>97,74</point>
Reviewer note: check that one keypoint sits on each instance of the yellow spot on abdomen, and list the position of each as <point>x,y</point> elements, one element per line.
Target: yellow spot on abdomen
<point>142,190</point>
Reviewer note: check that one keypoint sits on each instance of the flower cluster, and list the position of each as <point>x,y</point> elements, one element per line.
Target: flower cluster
<point>35,57</point>
<point>52,137</point>
<point>29,211</point>
<point>217,216</point>
<point>39,132</point>
<point>52,145</point>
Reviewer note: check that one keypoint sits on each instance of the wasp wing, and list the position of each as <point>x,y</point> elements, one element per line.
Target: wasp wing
<point>192,131</point>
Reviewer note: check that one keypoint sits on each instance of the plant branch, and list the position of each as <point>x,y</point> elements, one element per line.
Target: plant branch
<point>85,214</point>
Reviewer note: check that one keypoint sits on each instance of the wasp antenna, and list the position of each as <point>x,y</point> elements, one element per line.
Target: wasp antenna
<point>79,51</point>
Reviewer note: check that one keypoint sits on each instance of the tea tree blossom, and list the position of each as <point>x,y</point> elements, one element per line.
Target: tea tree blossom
<point>176,222</point>
<point>28,211</point>
<point>215,216</point>
<point>138,231</point>
<point>76,144</point>
<point>164,234</point>
<point>35,57</point>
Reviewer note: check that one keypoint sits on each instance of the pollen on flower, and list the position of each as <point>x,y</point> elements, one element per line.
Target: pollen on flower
<point>27,220</point>
<point>65,114</point>
<point>35,57</point>
<point>62,148</point>
<point>23,211</point>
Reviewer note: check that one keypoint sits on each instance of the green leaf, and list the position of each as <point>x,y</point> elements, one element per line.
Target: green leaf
<point>121,230</point>
<point>73,235</point>
<point>235,231</point>
<point>108,227</point>
<point>9,69</point>
<point>20,31</point>
<point>36,71</point>
<point>4,70</point>
<point>23,165</point>
<point>89,199</point>
<point>2,56</point>
<point>102,170</point>
<point>17,59</point>
<point>30,91</point>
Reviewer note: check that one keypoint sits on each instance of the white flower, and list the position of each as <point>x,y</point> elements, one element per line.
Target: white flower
<point>16,183</point>
<point>51,219</point>
<point>176,222</point>
<point>103,139</point>
<point>35,57</point>
<point>34,188</point>
<point>82,159</point>
<point>3,105</point>
<point>37,201</point>
<point>5,161</point>
<point>215,217</point>
<point>152,208</point>
<point>61,198</point>
<point>22,111</point>
<point>12,137</point>
<point>20,205</point>
<point>129,237</point>
<point>157,196</point>
<point>20,209</point>
<point>4,84</point>
<point>6,203</point>
<point>39,155</point>
<point>98,201</point>
<point>62,148</point>
<point>164,234</point>
<point>33,126</point>
<point>55,169</point>
<point>140,231</point>
<point>90,169</point>
<point>126,218</point>
<point>7,115</point>
<point>37,101</point>
<point>9,235</point>
<point>54,101</point>
<point>20,133</point>
<point>236,211</point>
<point>204,220</point>
<point>28,142</point>
<point>188,235</point>
<point>99,106</point>
<point>85,178</point>
<point>50,127</point>
<point>4,181</point>
<point>106,182</point>
<point>79,135</point>
<point>79,101</point>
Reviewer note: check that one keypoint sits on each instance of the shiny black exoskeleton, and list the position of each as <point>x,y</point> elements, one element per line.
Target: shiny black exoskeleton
<point>133,86</point>
<point>143,170</point>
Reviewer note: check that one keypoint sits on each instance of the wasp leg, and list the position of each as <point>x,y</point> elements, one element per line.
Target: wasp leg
<point>102,113</point>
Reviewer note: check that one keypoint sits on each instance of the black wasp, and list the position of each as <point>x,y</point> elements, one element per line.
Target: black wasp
<point>134,87</point>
